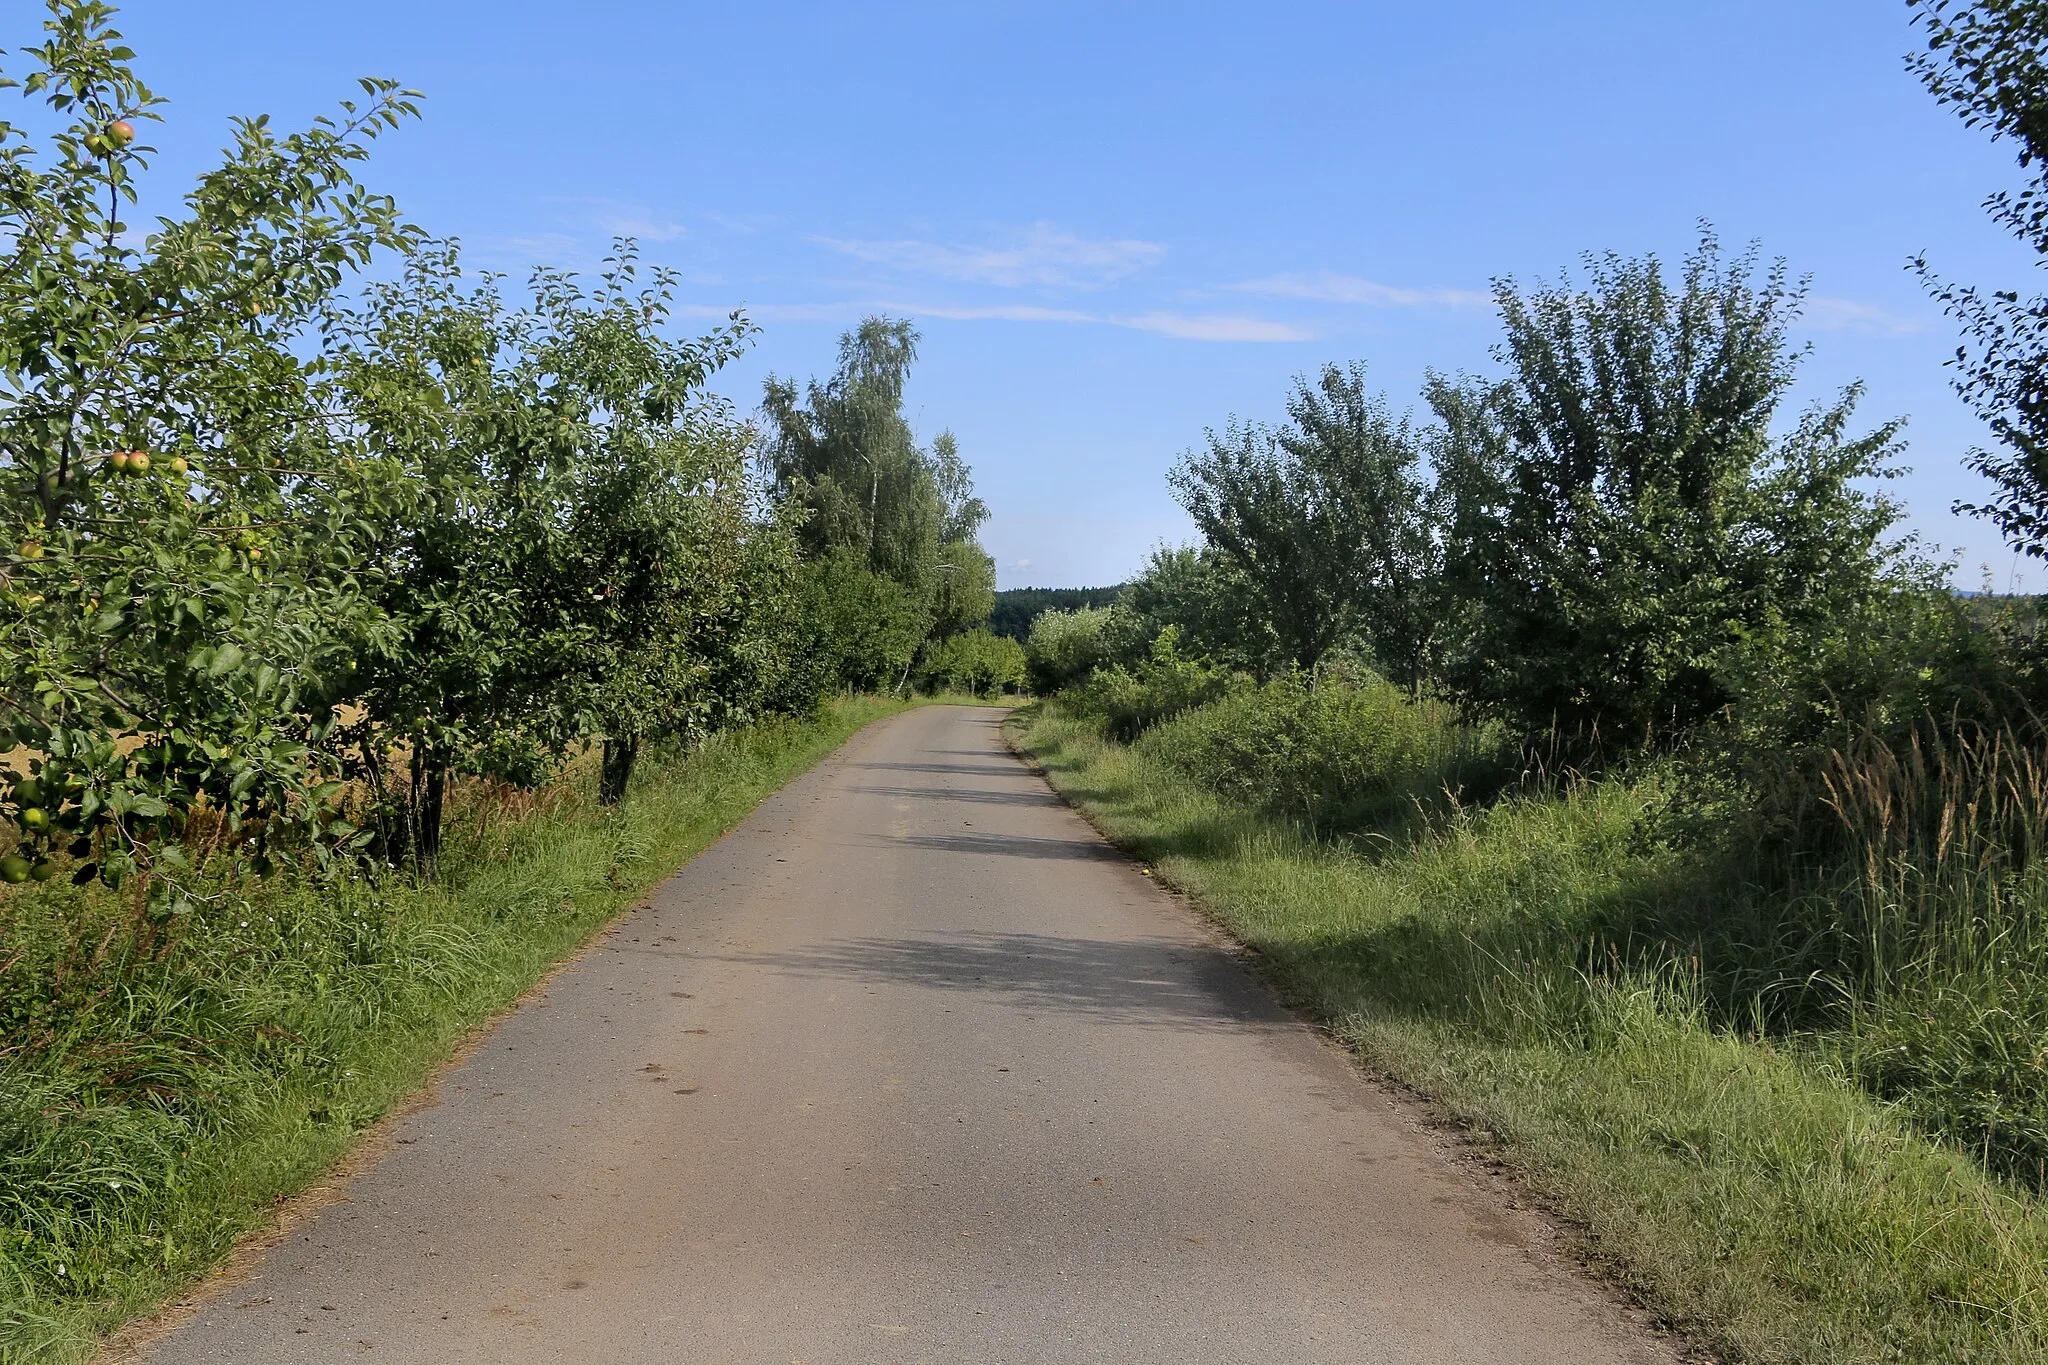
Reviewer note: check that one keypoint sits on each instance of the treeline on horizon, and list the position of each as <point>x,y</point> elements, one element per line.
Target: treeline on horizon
<point>1610,567</point>
<point>1016,608</point>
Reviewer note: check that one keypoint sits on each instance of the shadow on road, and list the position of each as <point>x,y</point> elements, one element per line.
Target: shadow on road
<point>1007,846</point>
<point>971,769</point>
<point>986,798</point>
<point>1148,982</point>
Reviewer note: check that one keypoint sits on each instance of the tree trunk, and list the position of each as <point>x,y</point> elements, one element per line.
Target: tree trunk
<point>427,845</point>
<point>617,769</point>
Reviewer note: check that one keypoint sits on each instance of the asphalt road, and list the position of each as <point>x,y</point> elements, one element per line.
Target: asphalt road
<point>910,1067</point>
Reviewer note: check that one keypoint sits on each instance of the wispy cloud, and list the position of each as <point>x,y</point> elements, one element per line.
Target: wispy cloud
<point>622,218</point>
<point>745,224</point>
<point>1214,327</point>
<point>997,312</point>
<point>644,226</point>
<point>1186,327</point>
<point>1325,286</point>
<point>1183,326</point>
<point>1850,315</point>
<point>1042,255</point>
<point>522,253</point>
<point>776,312</point>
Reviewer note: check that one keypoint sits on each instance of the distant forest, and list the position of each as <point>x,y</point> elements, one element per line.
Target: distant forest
<point>1015,609</point>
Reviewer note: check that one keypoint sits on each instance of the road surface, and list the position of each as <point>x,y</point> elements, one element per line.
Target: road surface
<point>909,1067</point>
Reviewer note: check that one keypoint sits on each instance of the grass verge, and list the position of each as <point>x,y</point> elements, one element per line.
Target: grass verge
<point>1747,1190</point>
<point>158,1096</point>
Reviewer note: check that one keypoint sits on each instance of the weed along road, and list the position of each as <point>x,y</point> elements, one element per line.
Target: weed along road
<point>909,1067</point>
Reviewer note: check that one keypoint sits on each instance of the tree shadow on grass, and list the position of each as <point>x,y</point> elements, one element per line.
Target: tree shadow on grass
<point>1699,924</point>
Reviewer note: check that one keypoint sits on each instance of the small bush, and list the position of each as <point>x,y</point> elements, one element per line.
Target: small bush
<point>1335,755</point>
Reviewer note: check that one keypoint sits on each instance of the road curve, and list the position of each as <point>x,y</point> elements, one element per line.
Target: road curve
<point>909,1067</point>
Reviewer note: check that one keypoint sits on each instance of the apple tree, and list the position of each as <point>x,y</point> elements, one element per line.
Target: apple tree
<point>175,568</point>
<point>570,551</point>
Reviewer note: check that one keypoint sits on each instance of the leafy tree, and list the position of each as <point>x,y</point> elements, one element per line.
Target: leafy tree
<point>1622,517</point>
<point>846,453</point>
<point>1211,602</point>
<point>657,579</point>
<point>976,661</point>
<point>561,469</point>
<point>871,502</point>
<point>963,587</point>
<point>857,628</point>
<point>1328,519</point>
<point>1067,646</point>
<point>462,458</point>
<point>965,590</point>
<point>175,583</point>
<point>1988,59</point>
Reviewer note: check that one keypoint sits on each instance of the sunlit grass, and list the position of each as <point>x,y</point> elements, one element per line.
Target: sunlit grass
<point>158,1095</point>
<point>1751,1190</point>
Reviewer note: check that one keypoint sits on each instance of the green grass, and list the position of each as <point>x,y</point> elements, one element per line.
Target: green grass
<point>1746,1188</point>
<point>158,1096</point>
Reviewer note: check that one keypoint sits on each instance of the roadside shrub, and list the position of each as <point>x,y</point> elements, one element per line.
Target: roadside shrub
<point>1131,701</point>
<point>1337,755</point>
<point>1065,647</point>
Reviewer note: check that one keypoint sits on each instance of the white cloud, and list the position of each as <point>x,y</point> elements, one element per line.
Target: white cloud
<point>622,218</point>
<point>998,312</point>
<point>1325,286</point>
<point>1849,315</point>
<point>776,312</point>
<point>1214,327</point>
<point>1197,327</point>
<point>1044,255</point>
<point>746,225</point>
<point>644,226</point>
<point>522,253</point>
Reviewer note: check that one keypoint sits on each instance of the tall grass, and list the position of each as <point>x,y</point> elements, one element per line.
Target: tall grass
<point>1943,924</point>
<point>158,1090</point>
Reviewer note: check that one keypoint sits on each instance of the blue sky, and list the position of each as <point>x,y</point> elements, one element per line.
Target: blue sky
<point>1117,225</point>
